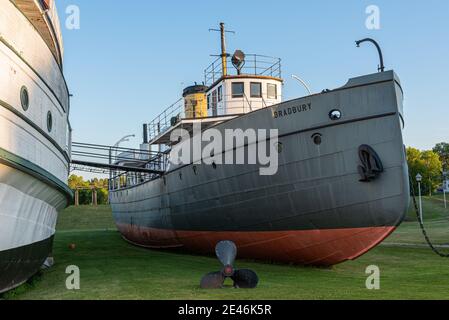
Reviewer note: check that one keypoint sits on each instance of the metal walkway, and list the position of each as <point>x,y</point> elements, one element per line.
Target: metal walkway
<point>108,159</point>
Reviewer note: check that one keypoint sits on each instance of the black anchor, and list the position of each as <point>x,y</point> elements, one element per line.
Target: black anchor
<point>371,167</point>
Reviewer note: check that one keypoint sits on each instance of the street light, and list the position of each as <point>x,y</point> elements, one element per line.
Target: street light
<point>444,195</point>
<point>381,66</point>
<point>445,184</point>
<point>303,83</point>
<point>124,139</point>
<point>419,180</point>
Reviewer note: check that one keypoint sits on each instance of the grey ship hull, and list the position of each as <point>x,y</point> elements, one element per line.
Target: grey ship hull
<point>315,210</point>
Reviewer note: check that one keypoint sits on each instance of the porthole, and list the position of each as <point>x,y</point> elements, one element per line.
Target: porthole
<point>317,139</point>
<point>49,121</point>
<point>335,115</point>
<point>24,98</point>
<point>279,147</point>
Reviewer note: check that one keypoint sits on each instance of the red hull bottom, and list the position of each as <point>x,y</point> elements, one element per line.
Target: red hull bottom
<point>308,247</point>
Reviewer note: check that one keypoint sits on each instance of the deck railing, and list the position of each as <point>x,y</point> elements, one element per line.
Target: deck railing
<point>120,180</point>
<point>168,118</point>
<point>229,105</point>
<point>258,65</point>
<point>118,162</point>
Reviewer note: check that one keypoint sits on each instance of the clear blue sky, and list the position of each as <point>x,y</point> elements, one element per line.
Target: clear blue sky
<point>131,59</point>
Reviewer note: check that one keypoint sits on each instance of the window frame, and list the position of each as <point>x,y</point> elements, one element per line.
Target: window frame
<point>275,91</point>
<point>251,89</point>
<point>214,100</point>
<point>238,96</point>
<point>220,93</point>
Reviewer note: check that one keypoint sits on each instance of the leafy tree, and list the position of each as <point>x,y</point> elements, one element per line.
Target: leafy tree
<point>428,164</point>
<point>77,182</point>
<point>85,189</point>
<point>442,149</point>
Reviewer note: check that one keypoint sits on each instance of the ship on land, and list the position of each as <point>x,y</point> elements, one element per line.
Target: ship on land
<point>340,189</point>
<point>34,136</point>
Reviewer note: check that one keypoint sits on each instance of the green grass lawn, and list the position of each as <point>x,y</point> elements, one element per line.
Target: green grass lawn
<point>436,220</point>
<point>113,269</point>
<point>86,218</point>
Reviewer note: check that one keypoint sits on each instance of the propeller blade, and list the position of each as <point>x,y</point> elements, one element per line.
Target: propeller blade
<point>245,279</point>
<point>214,280</point>
<point>226,252</point>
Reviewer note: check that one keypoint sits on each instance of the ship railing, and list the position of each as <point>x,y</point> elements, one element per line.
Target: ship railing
<point>128,179</point>
<point>228,105</point>
<point>258,65</point>
<point>166,119</point>
<point>116,161</point>
<point>120,180</point>
<point>110,154</point>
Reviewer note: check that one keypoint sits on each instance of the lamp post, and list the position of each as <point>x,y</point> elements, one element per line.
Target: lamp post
<point>111,174</point>
<point>419,180</point>
<point>303,83</point>
<point>381,57</point>
<point>445,184</point>
<point>124,139</point>
<point>444,195</point>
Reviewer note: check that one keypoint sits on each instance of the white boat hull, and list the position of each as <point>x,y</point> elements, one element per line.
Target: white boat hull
<point>28,215</point>
<point>34,156</point>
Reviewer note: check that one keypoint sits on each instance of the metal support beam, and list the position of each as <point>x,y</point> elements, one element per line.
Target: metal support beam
<point>115,167</point>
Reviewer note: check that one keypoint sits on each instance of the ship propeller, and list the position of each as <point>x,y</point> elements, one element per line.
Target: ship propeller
<point>227,252</point>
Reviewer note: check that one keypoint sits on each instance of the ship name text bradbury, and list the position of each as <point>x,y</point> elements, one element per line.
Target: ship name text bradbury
<point>286,112</point>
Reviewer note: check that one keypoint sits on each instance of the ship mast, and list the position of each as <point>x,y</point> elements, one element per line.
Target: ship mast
<point>224,54</point>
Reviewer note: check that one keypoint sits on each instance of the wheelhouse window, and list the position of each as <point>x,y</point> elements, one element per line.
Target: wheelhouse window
<point>208,102</point>
<point>214,99</point>
<point>238,89</point>
<point>256,90</point>
<point>272,91</point>
<point>220,93</point>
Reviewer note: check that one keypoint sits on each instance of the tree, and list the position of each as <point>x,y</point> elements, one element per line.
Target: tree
<point>442,149</point>
<point>428,164</point>
<point>434,170</point>
<point>85,189</point>
<point>77,182</point>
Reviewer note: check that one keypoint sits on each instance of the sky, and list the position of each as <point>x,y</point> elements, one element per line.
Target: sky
<point>131,59</point>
